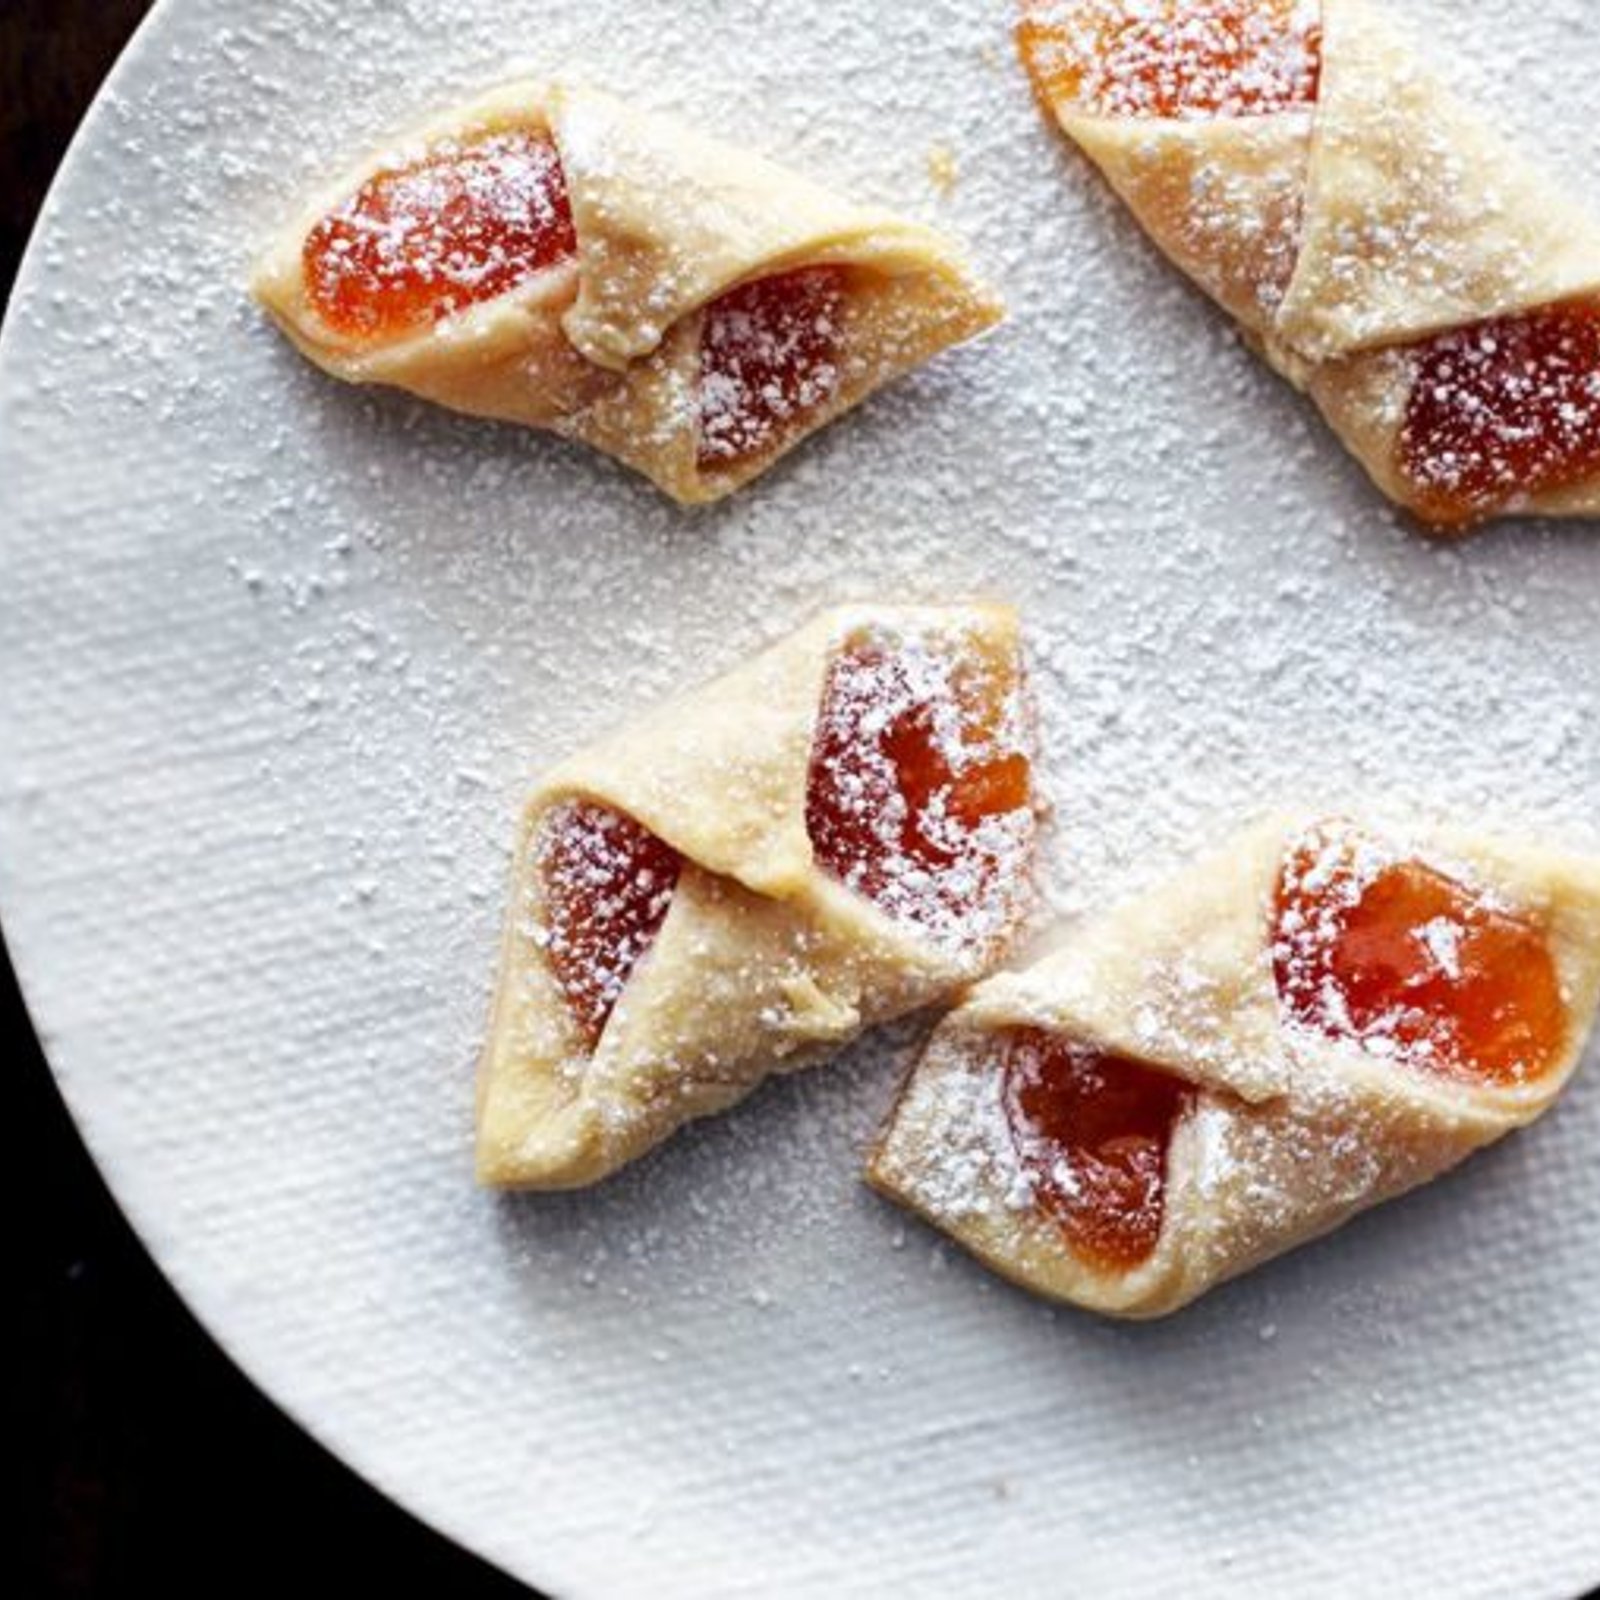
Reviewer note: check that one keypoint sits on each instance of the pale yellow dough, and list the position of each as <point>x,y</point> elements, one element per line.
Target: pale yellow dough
<point>1389,213</point>
<point>1288,1133</point>
<point>764,963</point>
<point>605,348</point>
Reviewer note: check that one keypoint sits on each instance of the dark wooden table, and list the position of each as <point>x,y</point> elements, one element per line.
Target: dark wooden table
<point>138,1462</point>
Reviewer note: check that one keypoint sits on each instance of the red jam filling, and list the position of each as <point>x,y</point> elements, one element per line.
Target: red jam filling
<point>466,223</point>
<point>1414,965</point>
<point>920,789</point>
<point>769,359</point>
<point>607,885</point>
<point>1169,59</point>
<point>1503,410</point>
<point>1093,1131</point>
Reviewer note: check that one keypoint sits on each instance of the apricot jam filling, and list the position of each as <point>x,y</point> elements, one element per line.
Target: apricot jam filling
<point>467,222</point>
<point>920,795</point>
<point>769,359</point>
<point>1093,1132</point>
<point>1416,966</point>
<point>1503,410</point>
<point>1174,59</point>
<point>475,218</point>
<point>607,884</point>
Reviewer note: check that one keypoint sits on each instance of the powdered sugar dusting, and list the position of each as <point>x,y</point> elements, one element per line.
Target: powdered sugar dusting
<point>312,646</point>
<point>1096,1130</point>
<point>1503,409</point>
<point>466,221</point>
<point>605,885</point>
<point>920,795</point>
<point>1379,945</point>
<point>769,357</point>
<point>1326,877</point>
<point>1175,59</point>
<point>972,1167</point>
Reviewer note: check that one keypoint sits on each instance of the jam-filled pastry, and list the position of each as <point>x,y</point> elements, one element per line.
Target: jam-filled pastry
<point>834,834</point>
<point>1318,1019</point>
<point>555,257</point>
<point>1375,237</point>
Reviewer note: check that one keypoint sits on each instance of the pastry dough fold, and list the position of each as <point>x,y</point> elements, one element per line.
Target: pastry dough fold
<point>1344,236</point>
<point>764,961</point>
<point>604,346</point>
<point>1286,1132</point>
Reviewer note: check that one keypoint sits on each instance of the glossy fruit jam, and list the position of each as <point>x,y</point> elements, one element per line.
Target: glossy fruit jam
<point>1502,411</point>
<point>920,792</point>
<point>1170,59</point>
<point>607,884</point>
<point>1417,966</point>
<point>466,223</point>
<point>769,360</point>
<point>1093,1132</point>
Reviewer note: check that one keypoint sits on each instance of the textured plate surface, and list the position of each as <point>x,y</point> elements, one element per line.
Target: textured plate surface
<point>277,660</point>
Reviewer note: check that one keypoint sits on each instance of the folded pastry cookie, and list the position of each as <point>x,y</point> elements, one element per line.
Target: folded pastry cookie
<point>555,257</point>
<point>834,834</point>
<point>1376,239</point>
<point>1314,1021</point>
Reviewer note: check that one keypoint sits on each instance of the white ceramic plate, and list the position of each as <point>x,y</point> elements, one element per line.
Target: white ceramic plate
<point>277,660</point>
